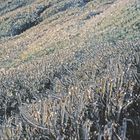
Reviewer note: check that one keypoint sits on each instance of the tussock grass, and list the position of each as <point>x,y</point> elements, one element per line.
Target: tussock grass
<point>51,107</point>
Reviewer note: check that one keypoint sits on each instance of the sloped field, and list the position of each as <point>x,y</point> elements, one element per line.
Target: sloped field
<point>70,69</point>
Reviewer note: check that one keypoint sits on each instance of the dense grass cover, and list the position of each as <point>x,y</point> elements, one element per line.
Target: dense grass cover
<point>106,107</point>
<point>70,70</point>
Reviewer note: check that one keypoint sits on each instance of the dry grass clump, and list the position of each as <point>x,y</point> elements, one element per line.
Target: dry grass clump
<point>35,108</point>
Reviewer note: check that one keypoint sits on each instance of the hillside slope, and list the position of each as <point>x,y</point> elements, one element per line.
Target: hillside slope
<point>66,25</point>
<point>71,68</point>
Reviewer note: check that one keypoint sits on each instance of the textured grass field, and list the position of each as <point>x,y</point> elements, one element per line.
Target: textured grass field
<point>70,70</point>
